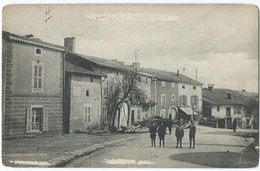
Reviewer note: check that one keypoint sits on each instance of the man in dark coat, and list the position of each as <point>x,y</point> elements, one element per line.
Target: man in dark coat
<point>161,133</point>
<point>169,125</point>
<point>192,133</point>
<point>234,125</point>
<point>179,133</point>
<point>153,130</point>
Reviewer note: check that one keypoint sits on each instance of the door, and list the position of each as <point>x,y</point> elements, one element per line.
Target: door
<point>173,113</point>
<point>132,117</point>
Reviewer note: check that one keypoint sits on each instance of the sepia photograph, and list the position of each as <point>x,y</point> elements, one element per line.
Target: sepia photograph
<point>130,85</point>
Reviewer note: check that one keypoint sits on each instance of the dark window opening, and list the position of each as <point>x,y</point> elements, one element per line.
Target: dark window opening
<point>91,79</point>
<point>87,92</point>
<point>38,51</point>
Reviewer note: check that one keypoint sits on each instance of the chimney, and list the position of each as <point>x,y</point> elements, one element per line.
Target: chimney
<point>178,73</point>
<point>69,43</point>
<point>243,90</point>
<point>210,87</point>
<point>136,66</point>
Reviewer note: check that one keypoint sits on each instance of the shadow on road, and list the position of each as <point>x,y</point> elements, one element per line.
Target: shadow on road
<point>213,159</point>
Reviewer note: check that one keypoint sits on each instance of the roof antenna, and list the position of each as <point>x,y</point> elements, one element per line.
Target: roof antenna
<point>135,56</point>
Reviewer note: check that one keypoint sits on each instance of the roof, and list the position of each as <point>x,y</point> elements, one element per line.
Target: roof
<point>254,96</point>
<point>219,97</point>
<point>71,68</point>
<point>170,76</point>
<point>117,65</point>
<point>32,41</point>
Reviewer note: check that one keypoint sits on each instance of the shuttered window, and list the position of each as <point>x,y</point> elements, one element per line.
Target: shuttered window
<point>163,100</point>
<point>194,101</point>
<point>37,77</point>
<point>87,113</point>
<point>183,100</point>
<point>36,119</point>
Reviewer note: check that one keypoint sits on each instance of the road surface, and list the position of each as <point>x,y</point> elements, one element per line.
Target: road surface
<point>214,148</point>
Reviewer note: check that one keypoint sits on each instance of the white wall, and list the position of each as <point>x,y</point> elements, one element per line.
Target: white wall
<point>189,91</point>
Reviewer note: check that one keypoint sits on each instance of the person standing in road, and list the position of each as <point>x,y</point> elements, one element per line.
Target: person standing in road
<point>192,133</point>
<point>153,130</point>
<point>169,126</point>
<point>161,133</point>
<point>179,133</point>
<point>234,125</point>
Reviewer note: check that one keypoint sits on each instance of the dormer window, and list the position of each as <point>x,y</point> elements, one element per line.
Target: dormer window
<point>229,96</point>
<point>38,52</point>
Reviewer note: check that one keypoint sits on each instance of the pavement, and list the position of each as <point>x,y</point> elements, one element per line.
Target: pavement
<point>58,151</point>
<point>55,151</point>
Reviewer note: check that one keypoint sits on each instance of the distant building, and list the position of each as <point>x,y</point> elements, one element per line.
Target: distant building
<point>32,85</point>
<point>176,95</point>
<point>224,105</point>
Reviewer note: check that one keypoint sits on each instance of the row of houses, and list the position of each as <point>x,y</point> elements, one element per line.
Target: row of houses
<point>51,89</point>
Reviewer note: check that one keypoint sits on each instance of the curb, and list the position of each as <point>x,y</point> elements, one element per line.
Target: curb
<point>64,159</point>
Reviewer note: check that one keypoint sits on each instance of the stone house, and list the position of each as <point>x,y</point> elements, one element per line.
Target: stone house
<point>32,85</point>
<point>224,105</point>
<point>174,94</point>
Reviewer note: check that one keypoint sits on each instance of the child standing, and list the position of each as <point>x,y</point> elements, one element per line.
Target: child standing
<point>192,133</point>
<point>153,130</point>
<point>179,133</point>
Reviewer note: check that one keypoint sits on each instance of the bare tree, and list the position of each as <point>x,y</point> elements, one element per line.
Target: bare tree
<point>126,90</point>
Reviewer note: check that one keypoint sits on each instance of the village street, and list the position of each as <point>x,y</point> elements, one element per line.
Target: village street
<point>214,148</point>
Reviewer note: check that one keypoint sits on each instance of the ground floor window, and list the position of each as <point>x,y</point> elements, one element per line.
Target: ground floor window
<point>87,113</point>
<point>36,119</point>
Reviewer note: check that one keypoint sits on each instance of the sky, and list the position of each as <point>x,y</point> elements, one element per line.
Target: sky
<point>220,41</point>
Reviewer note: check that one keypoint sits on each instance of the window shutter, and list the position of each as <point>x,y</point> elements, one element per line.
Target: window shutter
<point>28,119</point>
<point>45,120</point>
<point>181,100</point>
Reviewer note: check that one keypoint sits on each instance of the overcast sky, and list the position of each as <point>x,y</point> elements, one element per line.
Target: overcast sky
<point>221,41</point>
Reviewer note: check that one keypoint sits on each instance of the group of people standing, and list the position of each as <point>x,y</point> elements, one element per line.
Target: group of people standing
<point>179,133</point>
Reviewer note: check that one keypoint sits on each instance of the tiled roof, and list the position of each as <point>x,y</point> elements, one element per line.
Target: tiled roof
<point>33,41</point>
<point>254,96</point>
<point>69,67</point>
<point>169,76</point>
<point>219,97</point>
<point>116,65</point>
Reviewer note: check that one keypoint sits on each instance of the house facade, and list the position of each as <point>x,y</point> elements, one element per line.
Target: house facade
<point>32,85</point>
<point>83,99</point>
<point>176,96</point>
<point>225,105</point>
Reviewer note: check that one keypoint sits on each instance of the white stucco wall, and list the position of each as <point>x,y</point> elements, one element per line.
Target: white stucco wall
<point>189,91</point>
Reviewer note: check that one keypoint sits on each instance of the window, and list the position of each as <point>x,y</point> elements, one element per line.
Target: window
<point>173,84</point>
<point>163,83</point>
<point>105,91</point>
<point>194,101</point>
<point>138,116</point>
<point>238,110</point>
<point>38,52</point>
<point>183,86</point>
<point>218,108</point>
<point>37,76</point>
<point>91,79</point>
<point>183,100</point>
<point>87,92</point>
<point>87,113</point>
<point>229,96</point>
<point>228,113</point>
<point>173,97</point>
<point>194,87</point>
<point>146,80</point>
<point>104,114</point>
<point>163,100</point>
<point>36,119</point>
<point>76,91</point>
